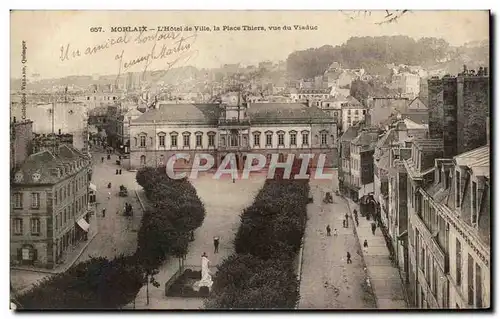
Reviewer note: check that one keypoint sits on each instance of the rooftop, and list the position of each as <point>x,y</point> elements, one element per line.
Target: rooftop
<point>47,167</point>
<point>349,134</point>
<point>366,139</point>
<point>478,160</point>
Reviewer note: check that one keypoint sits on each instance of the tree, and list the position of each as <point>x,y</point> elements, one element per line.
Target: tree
<point>94,284</point>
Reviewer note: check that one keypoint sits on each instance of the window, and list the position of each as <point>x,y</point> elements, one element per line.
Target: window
<point>151,140</point>
<point>324,138</point>
<point>356,112</point>
<point>364,112</point>
<point>348,112</point>
<point>55,198</point>
<point>457,188</point>
<point>434,279</point>
<point>65,216</point>
<point>269,139</point>
<point>57,222</point>
<point>35,200</point>
<point>470,280</point>
<point>458,263</point>
<point>199,140</point>
<point>211,139</point>
<point>281,139</point>
<point>18,200</point>
<point>305,138</point>
<point>293,138</point>
<point>18,226</point>
<point>143,141</point>
<point>135,141</point>
<point>173,140</point>
<point>474,204</point>
<point>161,140</point>
<point>479,288</point>
<point>35,226</point>
<point>143,160</point>
<point>185,140</point>
<point>234,139</point>
<point>256,139</point>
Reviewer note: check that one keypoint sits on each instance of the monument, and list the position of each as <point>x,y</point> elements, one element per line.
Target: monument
<point>206,279</point>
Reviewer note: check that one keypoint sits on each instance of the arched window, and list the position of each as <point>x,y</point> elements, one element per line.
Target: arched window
<point>143,160</point>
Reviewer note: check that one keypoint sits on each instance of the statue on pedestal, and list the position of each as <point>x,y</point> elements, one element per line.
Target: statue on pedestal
<point>206,278</point>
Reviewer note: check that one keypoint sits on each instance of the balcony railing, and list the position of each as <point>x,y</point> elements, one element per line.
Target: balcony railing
<point>235,122</point>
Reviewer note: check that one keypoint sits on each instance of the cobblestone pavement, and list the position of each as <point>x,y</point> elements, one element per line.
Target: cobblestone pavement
<point>327,281</point>
<point>224,202</point>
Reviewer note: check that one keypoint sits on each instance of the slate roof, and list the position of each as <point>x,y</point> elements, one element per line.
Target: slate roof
<point>68,161</point>
<point>190,113</point>
<point>367,140</point>
<point>478,160</point>
<point>266,113</point>
<point>350,134</point>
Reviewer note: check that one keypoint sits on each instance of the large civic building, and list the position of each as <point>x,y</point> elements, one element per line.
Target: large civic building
<point>231,126</point>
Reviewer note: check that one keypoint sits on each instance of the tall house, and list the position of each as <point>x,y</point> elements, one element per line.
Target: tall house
<point>21,138</point>
<point>458,110</point>
<point>49,206</point>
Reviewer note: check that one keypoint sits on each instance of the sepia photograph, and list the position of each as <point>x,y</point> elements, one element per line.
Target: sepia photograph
<point>250,160</point>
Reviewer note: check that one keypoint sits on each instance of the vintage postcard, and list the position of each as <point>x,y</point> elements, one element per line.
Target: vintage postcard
<point>250,160</point>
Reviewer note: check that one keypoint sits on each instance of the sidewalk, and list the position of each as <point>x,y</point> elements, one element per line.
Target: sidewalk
<point>328,282</point>
<point>384,277</point>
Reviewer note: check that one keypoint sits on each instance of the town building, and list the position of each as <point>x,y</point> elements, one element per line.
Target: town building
<point>313,97</point>
<point>231,126</point>
<point>49,206</point>
<point>344,169</point>
<point>449,227</point>
<point>407,84</point>
<point>21,137</point>
<point>49,142</point>
<point>381,108</point>
<point>352,112</point>
<point>360,180</point>
<point>458,110</point>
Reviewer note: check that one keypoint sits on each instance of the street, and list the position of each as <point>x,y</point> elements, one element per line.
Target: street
<point>327,280</point>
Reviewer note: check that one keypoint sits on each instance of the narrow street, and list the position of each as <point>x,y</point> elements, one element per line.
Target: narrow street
<point>327,280</point>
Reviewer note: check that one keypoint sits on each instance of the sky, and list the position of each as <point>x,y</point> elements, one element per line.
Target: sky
<point>49,31</point>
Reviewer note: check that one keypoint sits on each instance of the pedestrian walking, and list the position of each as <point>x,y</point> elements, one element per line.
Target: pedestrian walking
<point>349,261</point>
<point>356,220</point>
<point>355,213</point>
<point>328,230</point>
<point>120,171</point>
<point>335,232</point>
<point>109,195</point>
<point>365,246</point>
<point>343,223</point>
<point>116,173</point>
<point>374,227</point>
<point>346,220</point>
<point>103,212</point>
<point>102,159</point>
<point>216,244</point>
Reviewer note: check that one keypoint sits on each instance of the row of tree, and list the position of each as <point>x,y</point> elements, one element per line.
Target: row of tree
<point>99,283</point>
<point>370,53</point>
<point>261,273</point>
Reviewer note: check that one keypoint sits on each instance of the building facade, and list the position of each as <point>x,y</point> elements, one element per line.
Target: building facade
<point>352,112</point>
<point>232,126</point>
<point>49,206</point>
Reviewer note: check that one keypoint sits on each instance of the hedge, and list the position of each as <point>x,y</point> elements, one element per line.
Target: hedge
<point>261,272</point>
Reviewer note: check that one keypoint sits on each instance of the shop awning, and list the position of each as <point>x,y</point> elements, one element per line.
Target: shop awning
<point>93,187</point>
<point>83,224</point>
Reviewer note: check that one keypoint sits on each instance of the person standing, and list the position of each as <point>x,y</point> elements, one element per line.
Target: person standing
<point>102,159</point>
<point>335,232</point>
<point>349,261</point>
<point>103,212</point>
<point>365,246</point>
<point>346,220</point>
<point>120,171</point>
<point>374,227</point>
<point>216,244</point>
<point>328,230</point>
